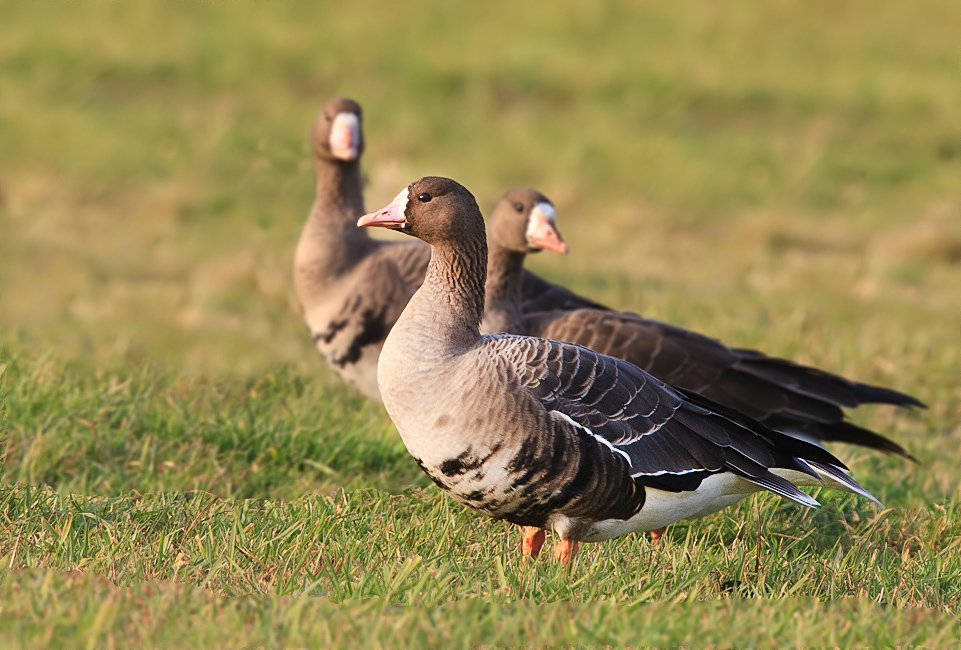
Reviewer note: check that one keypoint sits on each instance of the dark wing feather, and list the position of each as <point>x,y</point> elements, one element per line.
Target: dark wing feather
<point>819,384</point>
<point>664,434</point>
<point>537,295</point>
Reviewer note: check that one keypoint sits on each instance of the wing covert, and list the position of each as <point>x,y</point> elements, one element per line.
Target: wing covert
<point>670,440</point>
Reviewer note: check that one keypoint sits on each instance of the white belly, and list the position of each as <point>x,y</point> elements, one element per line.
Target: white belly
<point>713,494</point>
<point>664,508</point>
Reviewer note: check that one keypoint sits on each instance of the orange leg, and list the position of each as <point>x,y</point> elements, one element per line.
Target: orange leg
<point>656,535</point>
<point>533,541</point>
<point>565,551</point>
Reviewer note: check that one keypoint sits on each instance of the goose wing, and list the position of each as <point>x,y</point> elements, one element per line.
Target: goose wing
<point>671,441</point>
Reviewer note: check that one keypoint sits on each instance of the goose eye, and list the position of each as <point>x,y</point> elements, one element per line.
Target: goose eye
<point>424,198</point>
<point>519,207</point>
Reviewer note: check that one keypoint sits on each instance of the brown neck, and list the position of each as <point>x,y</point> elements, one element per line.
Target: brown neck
<point>454,291</point>
<point>340,196</point>
<point>332,242</point>
<point>503,289</point>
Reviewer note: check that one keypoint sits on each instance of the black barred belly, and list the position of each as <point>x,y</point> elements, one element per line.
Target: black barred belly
<point>573,475</point>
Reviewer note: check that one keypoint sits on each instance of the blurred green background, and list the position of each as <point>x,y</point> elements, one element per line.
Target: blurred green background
<point>782,175</point>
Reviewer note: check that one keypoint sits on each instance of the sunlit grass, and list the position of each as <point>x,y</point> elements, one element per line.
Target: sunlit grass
<point>279,436</point>
<point>84,608</point>
<point>421,549</point>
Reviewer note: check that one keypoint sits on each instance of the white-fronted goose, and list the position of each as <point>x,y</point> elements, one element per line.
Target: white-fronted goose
<point>533,228</point>
<point>792,398</point>
<point>339,271</point>
<point>351,288</point>
<point>553,435</point>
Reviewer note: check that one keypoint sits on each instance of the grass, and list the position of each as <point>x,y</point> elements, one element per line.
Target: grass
<point>180,467</point>
<point>187,616</point>
<point>104,432</point>
<point>428,553</point>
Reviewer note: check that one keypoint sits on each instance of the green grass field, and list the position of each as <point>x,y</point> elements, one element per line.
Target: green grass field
<point>181,469</point>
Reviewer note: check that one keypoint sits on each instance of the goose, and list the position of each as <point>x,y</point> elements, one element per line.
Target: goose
<point>351,288</point>
<point>523,221</point>
<point>799,400</point>
<point>552,435</point>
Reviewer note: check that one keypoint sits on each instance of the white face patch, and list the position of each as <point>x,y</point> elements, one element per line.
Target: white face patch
<point>401,202</point>
<point>390,216</point>
<point>345,136</point>
<point>542,217</point>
